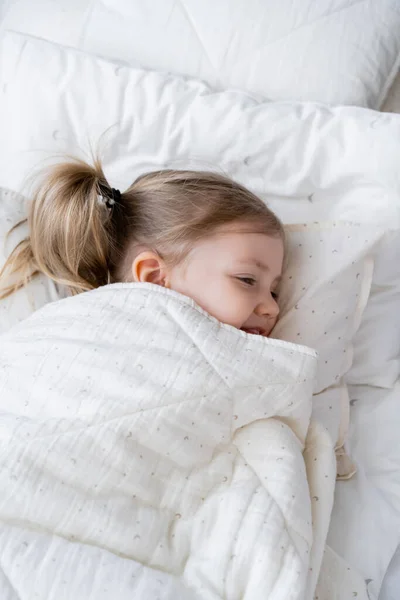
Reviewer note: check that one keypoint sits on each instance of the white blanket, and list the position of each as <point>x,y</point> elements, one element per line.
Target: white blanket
<point>147,451</point>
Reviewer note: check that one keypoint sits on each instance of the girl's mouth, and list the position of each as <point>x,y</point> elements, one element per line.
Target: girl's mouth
<point>254,331</point>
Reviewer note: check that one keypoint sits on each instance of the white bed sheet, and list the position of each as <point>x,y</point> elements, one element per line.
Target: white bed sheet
<point>366,519</point>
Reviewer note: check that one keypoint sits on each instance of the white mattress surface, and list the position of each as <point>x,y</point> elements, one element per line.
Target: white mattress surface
<point>333,51</point>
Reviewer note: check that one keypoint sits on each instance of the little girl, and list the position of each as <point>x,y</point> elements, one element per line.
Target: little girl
<point>198,233</point>
<point>140,436</point>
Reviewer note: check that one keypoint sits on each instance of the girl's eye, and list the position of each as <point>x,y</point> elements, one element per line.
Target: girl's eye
<point>247,280</point>
<point>275,295</point>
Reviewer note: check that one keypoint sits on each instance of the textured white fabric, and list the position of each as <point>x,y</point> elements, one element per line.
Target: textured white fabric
<point>135,423</point>
<point>339,52</point>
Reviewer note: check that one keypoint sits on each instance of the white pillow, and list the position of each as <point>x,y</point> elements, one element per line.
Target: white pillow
<point>324,294</point>
<point>327,285</point>
<point>341,52</point>
<point>310,162</point>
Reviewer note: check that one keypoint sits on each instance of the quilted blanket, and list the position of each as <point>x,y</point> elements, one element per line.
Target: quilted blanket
<point>148,451</point>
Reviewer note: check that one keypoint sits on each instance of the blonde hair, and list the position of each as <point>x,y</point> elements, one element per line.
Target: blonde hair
<point>79,241</point>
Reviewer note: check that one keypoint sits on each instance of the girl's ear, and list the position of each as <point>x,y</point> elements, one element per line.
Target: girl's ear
<point>148,267</point>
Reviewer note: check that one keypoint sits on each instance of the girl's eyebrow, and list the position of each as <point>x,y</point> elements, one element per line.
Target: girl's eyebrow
<point>254,261</point>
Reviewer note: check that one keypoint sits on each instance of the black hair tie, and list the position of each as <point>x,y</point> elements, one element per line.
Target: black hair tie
<point>115,197</point>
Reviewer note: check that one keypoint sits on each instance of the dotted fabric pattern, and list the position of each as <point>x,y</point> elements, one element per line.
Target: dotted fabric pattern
<point>324,293</point>
<point>326,287</point>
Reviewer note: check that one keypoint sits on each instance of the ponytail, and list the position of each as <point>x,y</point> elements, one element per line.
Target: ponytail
<point>71,231</point>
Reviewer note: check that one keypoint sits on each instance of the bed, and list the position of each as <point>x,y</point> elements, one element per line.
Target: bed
<point>345,53</point>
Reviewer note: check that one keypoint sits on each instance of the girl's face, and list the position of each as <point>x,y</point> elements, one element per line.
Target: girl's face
<point>234,275</point>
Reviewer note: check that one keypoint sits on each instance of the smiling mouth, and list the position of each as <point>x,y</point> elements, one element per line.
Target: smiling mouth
<point>254,331</point>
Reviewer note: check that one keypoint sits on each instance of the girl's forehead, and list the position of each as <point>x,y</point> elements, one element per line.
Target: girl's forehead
<point>243,239</point>
<point>241,246</point>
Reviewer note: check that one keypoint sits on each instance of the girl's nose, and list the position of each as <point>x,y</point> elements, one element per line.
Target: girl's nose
<point>268,308</point>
